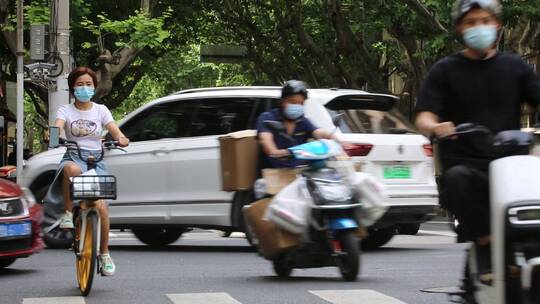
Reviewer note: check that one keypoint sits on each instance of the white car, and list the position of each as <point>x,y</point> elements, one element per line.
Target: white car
<point>169,181</point>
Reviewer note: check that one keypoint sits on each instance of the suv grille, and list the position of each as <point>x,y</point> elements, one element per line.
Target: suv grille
<point>12,207</point>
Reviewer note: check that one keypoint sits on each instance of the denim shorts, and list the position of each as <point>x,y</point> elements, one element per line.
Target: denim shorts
<point>101,168</point>
<point>54,195</point>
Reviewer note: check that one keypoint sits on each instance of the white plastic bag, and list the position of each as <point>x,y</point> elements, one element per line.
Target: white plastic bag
<point>372,195</point>
<point>259,188</point>
<point>87,184</point>
<point>290,208</point>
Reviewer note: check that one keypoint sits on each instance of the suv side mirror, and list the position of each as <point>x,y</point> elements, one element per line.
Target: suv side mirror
<point>54,137</point>
<point>337,119</point>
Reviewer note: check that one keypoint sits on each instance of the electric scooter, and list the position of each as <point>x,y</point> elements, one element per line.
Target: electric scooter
<point>331,236</point>
<point>514,179</point>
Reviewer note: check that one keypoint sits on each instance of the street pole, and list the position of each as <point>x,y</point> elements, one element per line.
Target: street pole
<point>59,94</point>
<point>20,91</point>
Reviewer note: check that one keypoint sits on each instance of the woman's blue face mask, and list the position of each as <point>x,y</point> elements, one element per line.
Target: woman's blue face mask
<point>83,93</point>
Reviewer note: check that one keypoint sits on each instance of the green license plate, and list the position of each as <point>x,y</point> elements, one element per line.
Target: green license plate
<point>397,172</point>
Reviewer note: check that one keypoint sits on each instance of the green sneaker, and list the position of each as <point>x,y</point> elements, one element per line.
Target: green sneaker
<point>107,265</point>
<point>66,221</point>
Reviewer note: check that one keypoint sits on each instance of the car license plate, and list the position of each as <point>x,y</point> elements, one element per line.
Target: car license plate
<point>397,172</point>
<point>15,229</point>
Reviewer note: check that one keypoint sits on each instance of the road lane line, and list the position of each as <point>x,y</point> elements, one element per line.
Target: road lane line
<point>355,296</point>
<point>54,300</point>
<point>441,233</point>
<point>202,298</point>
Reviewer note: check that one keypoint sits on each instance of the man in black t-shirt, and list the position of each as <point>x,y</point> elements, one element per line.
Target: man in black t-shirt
<point>477,85</point>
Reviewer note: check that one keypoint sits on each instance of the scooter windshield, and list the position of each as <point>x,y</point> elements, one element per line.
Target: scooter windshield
<point>315,150</point>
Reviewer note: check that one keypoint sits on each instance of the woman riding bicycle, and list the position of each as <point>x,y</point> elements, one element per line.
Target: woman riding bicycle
<point>83,122</point>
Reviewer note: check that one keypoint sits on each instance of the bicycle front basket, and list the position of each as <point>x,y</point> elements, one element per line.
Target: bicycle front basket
<point>93,187</point>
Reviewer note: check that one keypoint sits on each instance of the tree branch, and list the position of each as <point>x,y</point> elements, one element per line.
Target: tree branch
<point>307,42</point>
<point>10,37</point>
<point>429,17</point>
<point>36,102</point>
<point>355,52</point>
<point>125,91</point>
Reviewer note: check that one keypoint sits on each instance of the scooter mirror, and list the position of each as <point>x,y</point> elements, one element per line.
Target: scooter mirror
<point>54,137</point>
<point>274,125</point>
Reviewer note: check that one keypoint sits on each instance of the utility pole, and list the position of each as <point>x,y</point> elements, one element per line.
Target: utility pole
<point>20,91</point>
<point>60,54</point>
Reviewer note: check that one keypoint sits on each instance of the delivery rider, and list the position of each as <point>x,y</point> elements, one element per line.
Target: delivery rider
<point>291,113</point>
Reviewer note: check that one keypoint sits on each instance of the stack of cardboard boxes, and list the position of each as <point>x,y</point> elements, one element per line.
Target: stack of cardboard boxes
<point>239,170</point>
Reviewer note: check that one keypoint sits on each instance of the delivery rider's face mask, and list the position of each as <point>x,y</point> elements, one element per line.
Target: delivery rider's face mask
<point>294,111</point>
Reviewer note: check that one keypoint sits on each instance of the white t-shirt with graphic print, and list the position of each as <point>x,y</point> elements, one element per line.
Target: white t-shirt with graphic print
<point>85,127</point>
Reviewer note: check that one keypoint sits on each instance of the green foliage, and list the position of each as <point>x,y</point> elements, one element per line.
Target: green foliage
<point>178,69</point>
<point>137,31</point>
<point>359,45</point>
<point>38,12</point>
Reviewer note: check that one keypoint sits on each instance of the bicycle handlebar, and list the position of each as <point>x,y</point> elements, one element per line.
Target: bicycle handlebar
<point>74,146</point>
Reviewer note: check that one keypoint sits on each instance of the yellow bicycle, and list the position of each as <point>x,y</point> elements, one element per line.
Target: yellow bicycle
<point>87,189</point>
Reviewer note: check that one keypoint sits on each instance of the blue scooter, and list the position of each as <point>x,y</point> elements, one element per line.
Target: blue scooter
<point>332,234</point>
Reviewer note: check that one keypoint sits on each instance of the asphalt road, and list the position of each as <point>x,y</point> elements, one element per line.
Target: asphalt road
<point>204,268</point>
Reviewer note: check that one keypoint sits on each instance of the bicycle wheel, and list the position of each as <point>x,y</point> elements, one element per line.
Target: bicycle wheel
<point>86,260</point>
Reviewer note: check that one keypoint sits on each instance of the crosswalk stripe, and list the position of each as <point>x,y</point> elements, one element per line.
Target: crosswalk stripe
<point>202,298</point>
<point>54,300</point>
<point>441,233</point>
<point>365,296</point>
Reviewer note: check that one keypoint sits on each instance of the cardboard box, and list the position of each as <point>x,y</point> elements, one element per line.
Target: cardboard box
<point>272,240</point>
<point>277,179</point>
<point>239,153</point>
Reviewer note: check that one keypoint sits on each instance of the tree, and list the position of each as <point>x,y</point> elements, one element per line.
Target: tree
<point>116,38</point>
<point>356,44</point>
<point>328,43</point>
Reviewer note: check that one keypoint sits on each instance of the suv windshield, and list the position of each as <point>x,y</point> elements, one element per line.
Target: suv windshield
<point>372,121</point>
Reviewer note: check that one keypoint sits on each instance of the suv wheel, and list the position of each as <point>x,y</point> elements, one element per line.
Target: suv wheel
<point>377,237</point>
<point>55,238</point>
<point>409,228</point>
<point>5,262</point>
<point>158,237</point>
<point>241,199</point>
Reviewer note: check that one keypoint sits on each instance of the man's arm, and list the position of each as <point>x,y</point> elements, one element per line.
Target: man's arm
<point>429,125</point>
<point>323,134</point>
<point>531,86</point>
<point>269,146</point>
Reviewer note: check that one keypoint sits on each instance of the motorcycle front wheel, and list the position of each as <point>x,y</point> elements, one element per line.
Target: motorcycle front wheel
<point>282,265</point>
<point>349,262</point>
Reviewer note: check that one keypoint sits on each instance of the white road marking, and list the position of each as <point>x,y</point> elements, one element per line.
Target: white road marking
<point>355,296</point>
<point>238,235</point>
<point>441,233</point>
<point>57,300</point>
<point>202,298</point>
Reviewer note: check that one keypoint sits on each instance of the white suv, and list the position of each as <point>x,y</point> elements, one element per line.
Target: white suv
<point>169,181</point>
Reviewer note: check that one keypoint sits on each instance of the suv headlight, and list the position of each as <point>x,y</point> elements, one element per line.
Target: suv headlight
<point>28,197</point>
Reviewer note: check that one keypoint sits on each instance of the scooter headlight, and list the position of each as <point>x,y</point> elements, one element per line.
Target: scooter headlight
<point>525,215</point>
